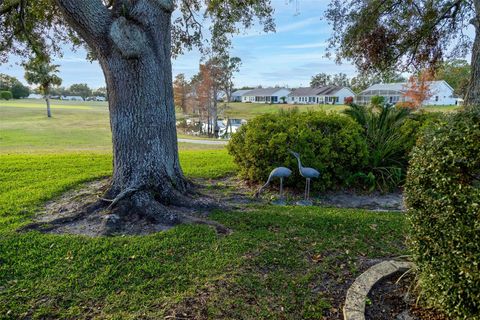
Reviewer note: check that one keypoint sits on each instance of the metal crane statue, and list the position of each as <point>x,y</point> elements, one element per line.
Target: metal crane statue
<point>307,173</point>
<point>280,172</point>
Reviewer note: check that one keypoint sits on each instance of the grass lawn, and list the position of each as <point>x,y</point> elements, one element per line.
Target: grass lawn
<point>279,263</point>
<point>75,126</point>
<point>249,110</point>
<point>270,267</point>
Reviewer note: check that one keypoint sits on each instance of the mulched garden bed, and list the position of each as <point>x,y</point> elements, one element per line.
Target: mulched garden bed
<point>393,298</point>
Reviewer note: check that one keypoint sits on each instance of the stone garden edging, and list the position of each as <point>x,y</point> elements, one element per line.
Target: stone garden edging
<point>354,308</point>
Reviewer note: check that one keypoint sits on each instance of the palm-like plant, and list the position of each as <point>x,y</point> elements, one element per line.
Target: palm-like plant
<point>44,75</point>
<point>387,155</point>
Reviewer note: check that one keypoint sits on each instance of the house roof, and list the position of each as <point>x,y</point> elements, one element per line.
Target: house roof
<point>396,86</point>
<point>317,91</point>
<point>401,86</point>
<point>265,91</point>
<point>240,93</point>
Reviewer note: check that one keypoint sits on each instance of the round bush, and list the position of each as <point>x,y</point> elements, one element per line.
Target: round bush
<point>331,143</point>
<point>443,197</point>
<point>6,95</point>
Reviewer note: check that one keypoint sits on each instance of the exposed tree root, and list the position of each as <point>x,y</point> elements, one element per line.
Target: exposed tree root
<point>136,210</point>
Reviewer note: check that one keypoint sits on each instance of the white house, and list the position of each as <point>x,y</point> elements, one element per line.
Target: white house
<point>320,95</point>
<point>35,96</point>
<point>266,95</point>
<point>237,95</point>
<point>72,98</point>
<point>441,93</point>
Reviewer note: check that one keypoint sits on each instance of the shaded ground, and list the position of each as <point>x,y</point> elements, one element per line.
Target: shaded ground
<point>375,201</point>
<point>77,211</point>
<point>394,297</point>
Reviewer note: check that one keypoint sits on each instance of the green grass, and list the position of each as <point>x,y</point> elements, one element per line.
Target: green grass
<point>267,268</point>
<point>249,110</point>
<point>28,180</point>
<point>449,108</point>
<point>75,126</point>
<point>279,263</point>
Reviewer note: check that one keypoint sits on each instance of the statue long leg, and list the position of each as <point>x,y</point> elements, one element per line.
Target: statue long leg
<point>281,188</point>
<point>308,194</point>
<point>306,188</point>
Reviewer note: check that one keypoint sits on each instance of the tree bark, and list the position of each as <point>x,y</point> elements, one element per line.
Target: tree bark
<point>47,100</point>
<point>134,54</point>
<point>472,96</point>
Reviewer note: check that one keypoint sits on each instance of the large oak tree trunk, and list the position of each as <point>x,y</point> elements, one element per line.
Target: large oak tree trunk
<point>134,51</point>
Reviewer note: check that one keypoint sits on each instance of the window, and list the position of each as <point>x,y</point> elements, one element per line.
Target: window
<point>436,98</point>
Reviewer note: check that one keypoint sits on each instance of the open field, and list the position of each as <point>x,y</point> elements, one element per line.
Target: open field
<point>75,126</point>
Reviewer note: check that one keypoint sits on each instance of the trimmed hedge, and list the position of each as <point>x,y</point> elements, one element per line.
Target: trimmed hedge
<point>442,194</point>
<point>331,143</point>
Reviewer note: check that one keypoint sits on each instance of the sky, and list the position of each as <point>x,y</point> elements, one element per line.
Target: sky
<point>289,57</point>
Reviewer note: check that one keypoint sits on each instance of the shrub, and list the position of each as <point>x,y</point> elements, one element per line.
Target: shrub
<point>414,126</point>
<point>348,100</point>
<point>387,153</point>
<point>443,198</point>
<point>5,95</point>
<point>377,101</point>
<point>331,143</point>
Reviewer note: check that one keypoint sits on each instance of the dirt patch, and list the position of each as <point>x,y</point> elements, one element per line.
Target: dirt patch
<point>394,298</point>
<point>82,211</point>
<point>374,201</point>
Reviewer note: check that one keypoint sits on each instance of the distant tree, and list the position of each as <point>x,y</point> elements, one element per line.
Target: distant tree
<point>100,92</point>
<point>226,67</point>
<point>59,91</point>
<point>12,84</point>
<point>417,90</point>
<point>181,90</point>
<point>20,91</point>
<point>324,79</point>
<point>340,79</point>
<point>205,94</point>
<point>6,82</point>
<point>6,95</point>
<point>365,80</point>
<point>80,89</point>
<point>320,79</point>
<point>379,35</point>
<point>45,76</point>
<point>456,73</point>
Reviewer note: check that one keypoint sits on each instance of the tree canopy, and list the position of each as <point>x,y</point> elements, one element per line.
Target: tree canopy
<point>385,35</point>
<point>80,89</point>
<point>42,73</point>
<point>456,73</point>
<point>378,35</point>
<point>40,28</point>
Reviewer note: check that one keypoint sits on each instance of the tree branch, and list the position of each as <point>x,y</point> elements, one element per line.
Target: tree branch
<point>89,18</point>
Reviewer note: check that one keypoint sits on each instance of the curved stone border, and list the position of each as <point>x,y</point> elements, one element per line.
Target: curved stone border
<point>354,308</point>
